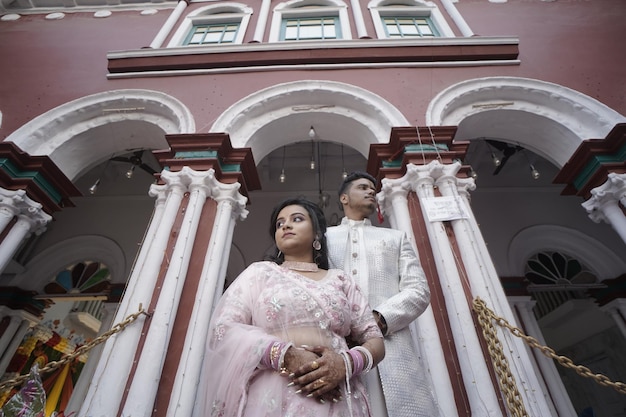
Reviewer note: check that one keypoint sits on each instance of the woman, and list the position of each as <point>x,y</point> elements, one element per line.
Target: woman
<point>277,341</point>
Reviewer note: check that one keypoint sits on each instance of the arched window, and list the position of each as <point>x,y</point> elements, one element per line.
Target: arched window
<point>555,278</point>
<point>223,23</point>
<point>301,20</point>
<point>401,19</point>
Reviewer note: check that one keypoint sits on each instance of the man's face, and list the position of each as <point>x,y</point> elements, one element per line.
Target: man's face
<point>359,201</point>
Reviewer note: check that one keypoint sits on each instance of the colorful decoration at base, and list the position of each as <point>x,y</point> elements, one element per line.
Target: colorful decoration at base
<point>40,347</point>
<point>29,401</point>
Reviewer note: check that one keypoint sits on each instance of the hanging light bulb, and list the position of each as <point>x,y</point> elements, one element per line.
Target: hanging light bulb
<point>312,133</point>
<point>344,174</point>
<point>282,177</point>
<point>534,173</point>
<point>496,160</point>
<point>472,173</point>
<point>312,163</point>
<point>94,187</point>
<point>130,172</point>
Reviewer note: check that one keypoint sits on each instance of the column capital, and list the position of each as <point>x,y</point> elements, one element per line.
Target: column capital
<point>609,194</point>
<point>211,151</point>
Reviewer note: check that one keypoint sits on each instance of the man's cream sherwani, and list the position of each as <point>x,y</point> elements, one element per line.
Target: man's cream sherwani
<point>384,264</point>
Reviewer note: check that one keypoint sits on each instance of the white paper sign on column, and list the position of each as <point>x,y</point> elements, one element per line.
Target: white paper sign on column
<point>439,209</point>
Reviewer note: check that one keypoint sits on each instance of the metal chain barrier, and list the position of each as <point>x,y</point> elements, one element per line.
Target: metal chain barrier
<point>52,365</point>
<point>500,362</point>
<point>483,311</point>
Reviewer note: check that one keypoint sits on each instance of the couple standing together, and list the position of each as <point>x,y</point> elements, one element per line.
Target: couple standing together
<point>301,334</point>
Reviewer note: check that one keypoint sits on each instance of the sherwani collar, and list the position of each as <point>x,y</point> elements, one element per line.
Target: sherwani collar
<point>349,222</point>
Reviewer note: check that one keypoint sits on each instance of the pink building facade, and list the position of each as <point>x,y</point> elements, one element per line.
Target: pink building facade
<point>143,145</point>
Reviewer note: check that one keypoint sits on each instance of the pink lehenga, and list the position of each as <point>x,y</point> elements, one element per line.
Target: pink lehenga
<point>268,302</point>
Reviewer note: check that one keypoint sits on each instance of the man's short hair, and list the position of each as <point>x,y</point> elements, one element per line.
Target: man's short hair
<point>355,175</point>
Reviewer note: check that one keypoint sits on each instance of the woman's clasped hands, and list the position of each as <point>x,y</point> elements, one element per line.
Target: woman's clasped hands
<point>316,372</point>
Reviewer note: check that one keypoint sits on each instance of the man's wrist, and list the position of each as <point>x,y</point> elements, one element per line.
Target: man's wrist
<point>380,321</point>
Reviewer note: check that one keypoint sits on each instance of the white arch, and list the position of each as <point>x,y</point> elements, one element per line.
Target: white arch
<point>43,267</point>
<point>55,132</point>
<point>524,107</point>
<point>592,253</point>
<point>357,116</point>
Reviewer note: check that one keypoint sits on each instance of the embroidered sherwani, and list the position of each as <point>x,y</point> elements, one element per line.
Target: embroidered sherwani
<point>383,263</point>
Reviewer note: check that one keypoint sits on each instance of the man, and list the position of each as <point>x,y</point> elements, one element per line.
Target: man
<point>386,267</point>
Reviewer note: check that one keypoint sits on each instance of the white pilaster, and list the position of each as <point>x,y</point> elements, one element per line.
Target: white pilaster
<point>169,24</point>
<point>553,383</point>
<point>30,219</point>
<point>393,199</point>
<point>485,283</point>
<point>604,203</point>
<point>107,387</point>
<point>475,373</point>
<point>9,333</point>
<point>357,14</point>
<point>14,343</point>
<point>262,21</point>
<point>143,389</point>
<point>230,206</point>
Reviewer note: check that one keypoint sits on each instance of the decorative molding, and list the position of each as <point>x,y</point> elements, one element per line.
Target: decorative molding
<point>37,176</point>
<point>331,52</point>
<point>206,151</point>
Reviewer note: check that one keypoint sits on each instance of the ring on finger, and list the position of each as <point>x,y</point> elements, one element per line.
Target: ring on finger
<point>315,365</point>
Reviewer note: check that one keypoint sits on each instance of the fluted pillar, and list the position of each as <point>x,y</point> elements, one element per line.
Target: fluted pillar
<point>143,388</point>
<point>485,283</point>
<point>30,218</point>
<point>607,203</point>
<point>230,207</point>
<point>481,392</point>
<point>551,384</point>
<point>393,198</point>
<point>106,390</point>
<point>20,322</point>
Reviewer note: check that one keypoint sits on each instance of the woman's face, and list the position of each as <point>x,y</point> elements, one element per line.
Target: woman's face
<point>294,232</point>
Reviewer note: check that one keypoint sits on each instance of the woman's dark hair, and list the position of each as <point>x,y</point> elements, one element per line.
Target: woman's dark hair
<point>320,257</point>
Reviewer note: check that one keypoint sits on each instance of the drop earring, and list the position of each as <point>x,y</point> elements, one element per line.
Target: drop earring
<point>316,244</point>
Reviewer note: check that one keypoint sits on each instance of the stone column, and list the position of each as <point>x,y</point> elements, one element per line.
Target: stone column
<point>30,219</point>
<point>604,203</point>
<point>554,388</point>
<point>484,282</point>
<point>106,390</point>
<point>169,24</point>
<point>230,206</point>
<point>481,392</point>
<point>143,388</point>
<point>21,321</point>
<point>393,198</point>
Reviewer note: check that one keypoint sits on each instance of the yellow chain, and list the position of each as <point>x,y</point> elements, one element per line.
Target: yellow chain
<point>52,365</point>
<point>482,310</point>
<point>500,362</point>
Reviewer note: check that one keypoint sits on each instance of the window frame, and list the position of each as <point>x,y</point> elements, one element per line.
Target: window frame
<point>310,9</point>
<point>285,20</point>
<point>222,13</point>
<point>198,23</point>
<point>411,8</point>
